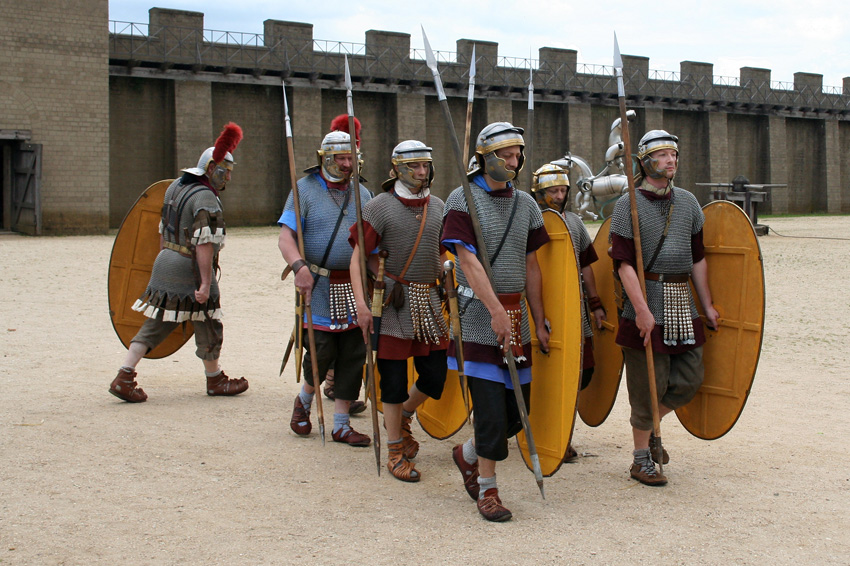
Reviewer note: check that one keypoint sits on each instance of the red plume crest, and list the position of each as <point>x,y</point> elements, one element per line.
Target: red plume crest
<point>227,141</point>
<point>340,123</point>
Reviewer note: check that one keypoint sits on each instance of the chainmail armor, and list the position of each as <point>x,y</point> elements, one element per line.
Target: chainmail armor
<point>675,255</point>
<point>172,284</point>
<point>509,268</point>
<point>320,210</point>
<point>398,225</point>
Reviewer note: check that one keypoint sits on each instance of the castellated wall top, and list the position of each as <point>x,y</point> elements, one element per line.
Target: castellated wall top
<point>175,41</point>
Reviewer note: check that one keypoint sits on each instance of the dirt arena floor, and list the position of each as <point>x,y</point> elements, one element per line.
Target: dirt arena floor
<point>190,479</point>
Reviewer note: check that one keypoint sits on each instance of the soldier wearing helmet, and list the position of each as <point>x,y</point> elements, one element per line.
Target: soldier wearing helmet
<point>495,319</point>
<point>550,185</point>
<point>671,232</point>
<point>405,221</point>
<point>191,207</point>
<point>327,212</point>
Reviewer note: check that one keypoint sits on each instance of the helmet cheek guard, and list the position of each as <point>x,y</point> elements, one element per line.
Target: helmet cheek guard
<point>335,143</point>
<point>493,137</point>
<point>405,153</point>
<point>652,141</point>
<point>546,177</point>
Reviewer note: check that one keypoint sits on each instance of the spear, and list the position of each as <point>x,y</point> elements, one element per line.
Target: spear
<point>469,99</point>
<point>484,257</point>
<point>371,386</point>
<point>308,309</point>
<point>529,139</point>
<point>650,361</point>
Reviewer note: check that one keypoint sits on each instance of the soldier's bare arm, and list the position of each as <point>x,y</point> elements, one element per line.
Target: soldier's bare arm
<point>364,313</point>
<point>590,289</point>
<point>204,256</point>
<point>644,320</point>
<point>289,249</point>
<point>534,294</point>
<point>700,279</point>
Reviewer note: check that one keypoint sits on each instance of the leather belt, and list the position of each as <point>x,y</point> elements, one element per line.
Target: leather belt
<point>319,270</point>
<point>182,250</point>
<point>667,277</point>
<point>468,292</point>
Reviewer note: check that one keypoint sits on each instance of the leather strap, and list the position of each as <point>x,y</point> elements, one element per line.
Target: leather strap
<point>667,277</point>
<point>415,246</point>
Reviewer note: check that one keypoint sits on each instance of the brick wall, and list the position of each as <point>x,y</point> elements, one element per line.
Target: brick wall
<point>54,82</point>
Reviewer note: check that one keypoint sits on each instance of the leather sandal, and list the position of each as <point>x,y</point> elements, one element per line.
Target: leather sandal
<point>348,435</point>
<point>300,421</point>
<point>124,387</point>
<point>399,466</point>
<point>329,387</point>
<point>223,385</point>
<point>410,446</point>
<point>469,472</point>
<point>491,508</point>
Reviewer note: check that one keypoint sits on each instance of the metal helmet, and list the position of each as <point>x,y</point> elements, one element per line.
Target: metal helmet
<point>335,143</point>
<point>219,176</point>
<point>406,152</point>
<point>493,137</point>
<point>651,142</point>
<point>550,175</point>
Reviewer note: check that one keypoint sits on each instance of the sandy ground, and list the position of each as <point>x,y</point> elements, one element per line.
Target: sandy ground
<point>87,479</point>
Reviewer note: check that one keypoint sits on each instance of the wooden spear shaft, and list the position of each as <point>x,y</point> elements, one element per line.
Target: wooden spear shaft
<point>372,387</point>
<point>299,231</point>
<point>485,260</point>
<point>650,360</point>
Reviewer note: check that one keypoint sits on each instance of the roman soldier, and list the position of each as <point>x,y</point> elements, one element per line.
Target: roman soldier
<point>551,187</point>
<point>327,212</point>
<point>405,221</point>
<point>494,320</point>
<point>671,223</point>
<point>183,285</point>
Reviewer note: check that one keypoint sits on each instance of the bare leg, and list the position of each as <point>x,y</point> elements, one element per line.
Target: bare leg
<point>392,420</point>
<point>135,353</point>
<point>641,437</point>
<point>415,399</point>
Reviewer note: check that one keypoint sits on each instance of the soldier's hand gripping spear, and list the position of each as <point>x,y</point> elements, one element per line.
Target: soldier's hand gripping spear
<point>371,386</point>
<point>650,361</point>
<point>378,301</point>
<point>484,257</point>
<point>451,293</point>
<point>308,310</point>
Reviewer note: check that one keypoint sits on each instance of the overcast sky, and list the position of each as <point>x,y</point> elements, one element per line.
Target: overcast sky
<point>782,35</point>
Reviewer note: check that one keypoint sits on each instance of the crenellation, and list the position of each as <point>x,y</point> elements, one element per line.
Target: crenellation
<point>145,106</point>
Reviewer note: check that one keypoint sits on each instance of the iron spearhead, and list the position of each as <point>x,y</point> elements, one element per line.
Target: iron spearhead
<point>286,109</point>
<point>471,94</point>
<point>618,68</point>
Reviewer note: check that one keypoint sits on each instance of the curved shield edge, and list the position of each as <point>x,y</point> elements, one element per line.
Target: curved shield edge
<point>130,264</point>
<point>731,354</point>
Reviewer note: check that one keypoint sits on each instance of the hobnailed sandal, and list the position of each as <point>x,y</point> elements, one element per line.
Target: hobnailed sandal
<point>124,387</point>
<point>300,421</point>
<point>491,508</point>
<point>469,472</point>
<point>223,385</point>
<point>410,446</point>
<point>348,435</point>
<point>398,465</point>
